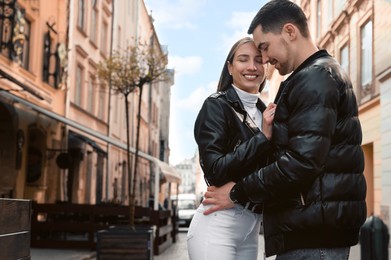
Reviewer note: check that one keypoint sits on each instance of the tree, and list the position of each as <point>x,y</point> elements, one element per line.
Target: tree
<point>125,71</point>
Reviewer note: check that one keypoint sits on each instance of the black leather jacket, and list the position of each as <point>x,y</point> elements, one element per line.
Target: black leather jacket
<point>230,144</point>
<point>314,193</point>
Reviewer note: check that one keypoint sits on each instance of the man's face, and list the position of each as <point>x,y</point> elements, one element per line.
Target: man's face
<point>275,50</point>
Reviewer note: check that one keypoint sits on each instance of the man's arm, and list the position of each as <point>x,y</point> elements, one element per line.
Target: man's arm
<point>225,196</point>
<point>218,197</point>
<point>311,122</point>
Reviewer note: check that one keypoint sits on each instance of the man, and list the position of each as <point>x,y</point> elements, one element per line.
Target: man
<point>314,191</point>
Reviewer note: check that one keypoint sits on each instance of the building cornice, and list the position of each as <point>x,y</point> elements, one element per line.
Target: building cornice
<point>369,105</point>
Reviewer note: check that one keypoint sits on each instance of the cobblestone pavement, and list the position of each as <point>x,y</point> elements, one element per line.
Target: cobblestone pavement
<point>177,251</point>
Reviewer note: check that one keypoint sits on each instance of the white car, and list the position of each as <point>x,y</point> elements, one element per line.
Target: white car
<point>187,206</point>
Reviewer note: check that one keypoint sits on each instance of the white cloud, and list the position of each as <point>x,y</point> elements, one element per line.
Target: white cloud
<point>174,14</point>
<point>240,20</point>
<point>185,65</point>
<point>183,114</point>
<point>194,101</point>
<point>238,23</point>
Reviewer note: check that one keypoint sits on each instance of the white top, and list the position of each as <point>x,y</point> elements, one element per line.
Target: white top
<point>249,101</point>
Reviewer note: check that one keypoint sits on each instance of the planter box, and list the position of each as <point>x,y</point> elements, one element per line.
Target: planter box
<point>15,229</point>
<point>124,243</point>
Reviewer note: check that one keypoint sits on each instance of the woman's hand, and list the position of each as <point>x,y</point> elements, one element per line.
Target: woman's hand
<point>267,120</point>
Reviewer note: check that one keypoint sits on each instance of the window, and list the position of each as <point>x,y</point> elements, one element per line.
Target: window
<point>78,85</point>
<point>93,25</point>
<point>90,95</point>
<point>330,14</point>
<point>366,54</point>
<point>119,41</point>
<point>319,18</point>
<point>116,114</point>
<point>51,68</point>
<point>340,6</point>
<point>103,42</point>
<point>101,104</point>
<point>81,15</point>
<point>15,34</point>
<point>25,56</point>
<point>344,58</point>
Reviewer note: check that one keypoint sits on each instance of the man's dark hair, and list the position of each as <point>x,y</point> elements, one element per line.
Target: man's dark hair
<point>276,13</point>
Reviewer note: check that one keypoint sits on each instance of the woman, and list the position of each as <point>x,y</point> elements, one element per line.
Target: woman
<point>232,145</point>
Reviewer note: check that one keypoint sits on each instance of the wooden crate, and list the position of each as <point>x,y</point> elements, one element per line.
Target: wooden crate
<point>123,243</point>
<point>15,228</point>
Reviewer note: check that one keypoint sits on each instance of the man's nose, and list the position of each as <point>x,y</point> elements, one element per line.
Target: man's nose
<point>265,59</point>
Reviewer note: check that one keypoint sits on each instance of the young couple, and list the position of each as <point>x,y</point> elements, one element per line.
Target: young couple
<point>297,162</point>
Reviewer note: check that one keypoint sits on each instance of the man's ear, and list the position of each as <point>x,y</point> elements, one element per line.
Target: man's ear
<point>290,31</point>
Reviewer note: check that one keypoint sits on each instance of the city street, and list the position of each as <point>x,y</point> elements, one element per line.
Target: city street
<point>178,251</point>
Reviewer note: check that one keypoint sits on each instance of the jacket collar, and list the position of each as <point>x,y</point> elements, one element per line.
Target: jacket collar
<point>309,60</point>
<point>233,98</point>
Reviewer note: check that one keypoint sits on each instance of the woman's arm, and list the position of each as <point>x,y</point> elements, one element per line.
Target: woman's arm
<point>211,134</point>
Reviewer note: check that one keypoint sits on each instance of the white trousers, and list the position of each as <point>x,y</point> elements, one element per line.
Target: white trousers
<point>230,234</point>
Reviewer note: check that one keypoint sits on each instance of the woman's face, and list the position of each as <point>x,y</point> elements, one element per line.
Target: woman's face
<point>247,69</point>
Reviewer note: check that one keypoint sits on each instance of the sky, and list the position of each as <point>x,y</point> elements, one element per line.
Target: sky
<point>199,35</point>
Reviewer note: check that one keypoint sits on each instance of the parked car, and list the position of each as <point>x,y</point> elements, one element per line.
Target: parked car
<point>187,206</point>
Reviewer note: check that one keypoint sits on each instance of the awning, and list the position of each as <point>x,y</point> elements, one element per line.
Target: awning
<point>89,141</point>
<point>168,172</point>
<point>73,124</point>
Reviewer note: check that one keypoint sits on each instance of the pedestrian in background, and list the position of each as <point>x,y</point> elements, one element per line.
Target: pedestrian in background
<point>232,145</point>
<point>314,193</point>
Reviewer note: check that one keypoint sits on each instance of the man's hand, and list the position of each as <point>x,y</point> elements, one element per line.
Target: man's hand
<point>218,197</point>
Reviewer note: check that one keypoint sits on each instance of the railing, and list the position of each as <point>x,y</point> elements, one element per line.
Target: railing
<point>66,225</point>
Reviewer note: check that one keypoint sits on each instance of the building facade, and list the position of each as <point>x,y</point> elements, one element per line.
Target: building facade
<point>32,90</point>
<point>192,176</point>
<point>63,135</point>
<point>356,33</point>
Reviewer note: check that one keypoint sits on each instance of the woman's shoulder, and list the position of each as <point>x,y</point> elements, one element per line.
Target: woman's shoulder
<point>218,94</point>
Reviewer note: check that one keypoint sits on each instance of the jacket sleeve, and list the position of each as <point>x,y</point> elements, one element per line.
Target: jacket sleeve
<point>311,105</point>
<point>211,134</point>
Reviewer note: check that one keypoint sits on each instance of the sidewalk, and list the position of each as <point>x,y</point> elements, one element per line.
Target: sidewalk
<point>61,254</point>
<point>177,251</point>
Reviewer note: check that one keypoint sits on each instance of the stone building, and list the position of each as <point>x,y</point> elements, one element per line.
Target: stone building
<point>63,134</point>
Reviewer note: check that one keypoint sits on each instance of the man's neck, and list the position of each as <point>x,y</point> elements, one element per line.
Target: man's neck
<point>304,50</point>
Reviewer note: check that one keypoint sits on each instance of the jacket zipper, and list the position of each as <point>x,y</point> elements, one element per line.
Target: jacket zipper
<point>302,199</point>
<point>237,144</point>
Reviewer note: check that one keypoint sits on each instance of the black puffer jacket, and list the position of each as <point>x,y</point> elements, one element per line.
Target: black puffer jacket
<point>314,193</point>
<point>230,144</point>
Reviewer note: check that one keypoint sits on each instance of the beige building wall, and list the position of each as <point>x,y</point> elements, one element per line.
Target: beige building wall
<point>134,26</point>
<point>87,98</point>
<point>124,35</point>
<point>336,24</point>
<point>74,117</point>
<point>382,74</point>
<point>30,171</point>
